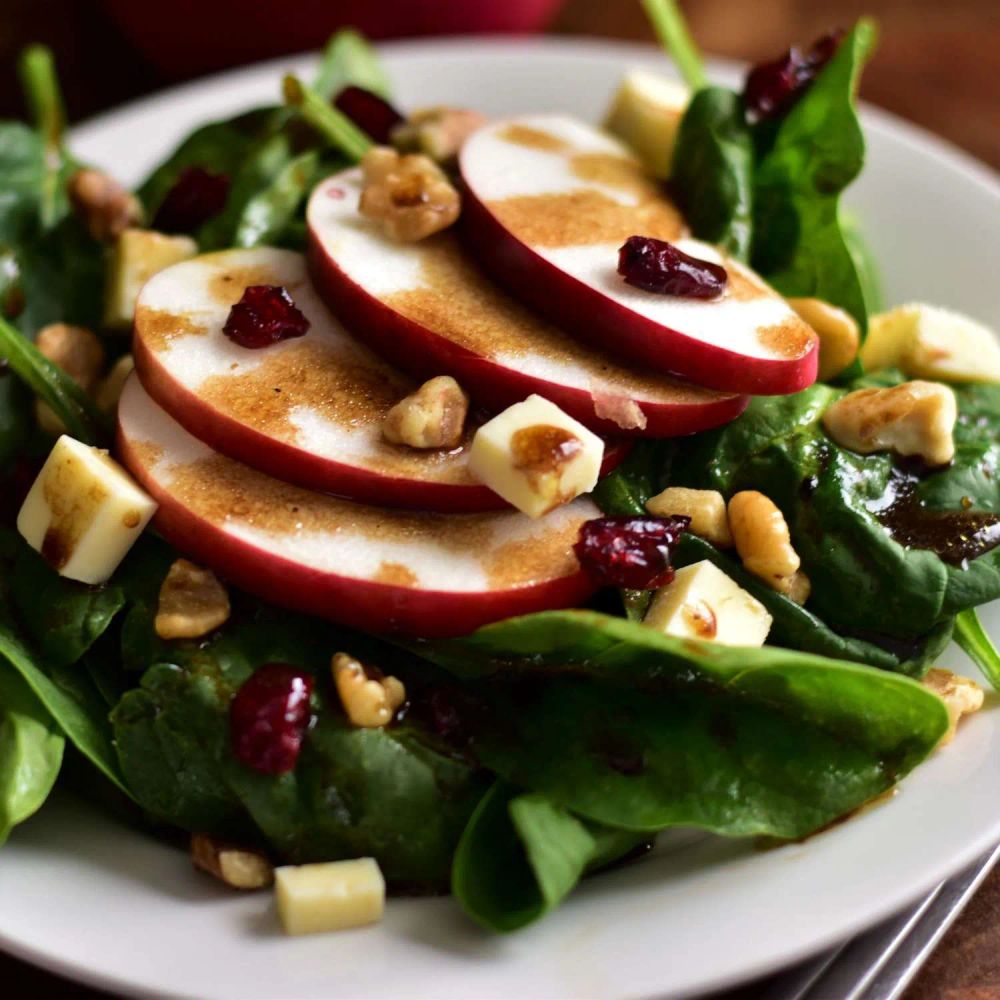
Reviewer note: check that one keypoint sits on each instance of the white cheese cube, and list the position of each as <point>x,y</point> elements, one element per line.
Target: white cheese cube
<point>83,512</point>
<point>536,457</point>
<point>138,255</point>
<point>703,603</point>
<point>932,343</point>
<point>331,896</point>
<point>706,508</point>
<point>645,114</point>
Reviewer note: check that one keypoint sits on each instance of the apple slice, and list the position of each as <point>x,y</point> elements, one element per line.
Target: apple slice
<point>427,307</point>
<point>549,201</point>
<point>308,410</point>
<point>408,572</point>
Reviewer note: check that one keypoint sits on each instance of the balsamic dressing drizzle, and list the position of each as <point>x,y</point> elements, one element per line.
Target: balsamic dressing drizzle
<point>954,536</point>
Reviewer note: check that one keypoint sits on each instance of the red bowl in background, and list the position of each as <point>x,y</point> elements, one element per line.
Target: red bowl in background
<point>186,37</point>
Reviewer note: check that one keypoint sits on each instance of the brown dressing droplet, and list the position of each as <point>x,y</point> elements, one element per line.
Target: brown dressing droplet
<point>701,618</point>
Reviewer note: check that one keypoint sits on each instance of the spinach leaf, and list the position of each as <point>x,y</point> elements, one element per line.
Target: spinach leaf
<point>712,176</point>
<point>799,242</point>
<point>637,730</point>
<point>31,749</point>
<point>45,379</point>
<point>75,708</point>
<point>869,272</point>
<point>644,472</point>
<point>272,160</point>
<point>221,147</point>
<point>349,59</point>
<point>977,645</point>
<point>521,855</point>
<point>389,793</point>
<point>63,618</point>
<point>268,216</point>
<point>52,270</point>
<point>38,78</point>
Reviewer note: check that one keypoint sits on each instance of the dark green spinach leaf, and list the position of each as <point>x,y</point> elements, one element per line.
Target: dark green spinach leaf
<point>712,176</point>
<point>347,60</point>
<point>78,711</point>
<point>799,241</point>
<point>389,793</point>
<point>636,730</point>
<point>521,855</point>
<point>63,618</point>
<point>31,750</point>
<point>977,645</point>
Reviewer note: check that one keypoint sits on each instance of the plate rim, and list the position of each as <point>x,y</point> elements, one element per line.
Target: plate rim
<point>920,140</point>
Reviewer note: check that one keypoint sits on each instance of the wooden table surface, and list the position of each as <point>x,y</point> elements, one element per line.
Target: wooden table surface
<point>937,65</point>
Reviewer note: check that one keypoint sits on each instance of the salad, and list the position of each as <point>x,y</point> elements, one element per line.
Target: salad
<point>410,499</point>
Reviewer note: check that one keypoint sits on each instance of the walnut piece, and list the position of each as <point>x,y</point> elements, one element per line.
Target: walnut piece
<point>369,701</point>
<point>764,544</point>
<point>102,204</point>
<point>915,418</point>
<point>437,132</point>
<point>706,508</point>
<point>408,195</point>
<point>238,867</point>
<point>838,332</point>
<point>192,602</point>
<point>78,352</point>
<point>432,417</point>
<point>960,695</point>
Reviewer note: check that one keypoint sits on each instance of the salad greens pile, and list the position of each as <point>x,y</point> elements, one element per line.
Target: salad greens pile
<point>541,748</point>
<point>769,192</point>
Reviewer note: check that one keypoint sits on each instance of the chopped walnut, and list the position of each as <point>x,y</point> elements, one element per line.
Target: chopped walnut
<point>706,508</point>
<point>78,353</point>
<point>408,195</point>
<point>915,418</point>
<point>192,602</point>
<point>960,695</point>
<point>432,417</point>
<point>105,207</point>
<point>764,544</point>
<point>369,701</point>
<point>437,132</point>
<point>110,390</point>
<point>238,867</point>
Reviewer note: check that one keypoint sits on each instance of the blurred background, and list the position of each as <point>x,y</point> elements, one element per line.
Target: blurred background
<point>936,63</point>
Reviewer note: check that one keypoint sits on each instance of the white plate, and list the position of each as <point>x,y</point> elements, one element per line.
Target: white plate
<point>91,899</point>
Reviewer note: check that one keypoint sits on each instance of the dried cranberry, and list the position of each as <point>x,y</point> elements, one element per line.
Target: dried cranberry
<point>265,315</point>
<point>772,88</point>
<point>632,552</point>
<point>657,266</point>
<point>196,196</point>
<point>369,112</point>
<point>269,716</point>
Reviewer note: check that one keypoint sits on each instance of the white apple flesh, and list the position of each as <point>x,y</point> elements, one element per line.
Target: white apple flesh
<point>428,309</point>
<point>308,410</point>
<point>382,570</point>
<point>548,202</point>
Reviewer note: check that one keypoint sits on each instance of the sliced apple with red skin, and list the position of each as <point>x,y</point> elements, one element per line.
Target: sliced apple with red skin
<point>548,202</point>
<point>382,570</point>
<point>308,410</point>
<point>427,308</point>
